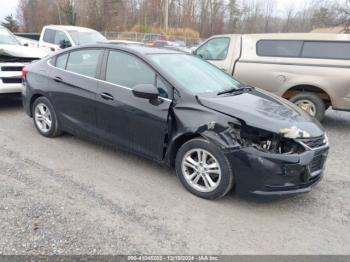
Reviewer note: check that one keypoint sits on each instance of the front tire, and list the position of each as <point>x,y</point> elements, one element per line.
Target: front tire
<point>310,103</point>
<point>203,169</point>
<point>44,117</point>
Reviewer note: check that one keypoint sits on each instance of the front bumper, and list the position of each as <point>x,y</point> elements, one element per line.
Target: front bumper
<point>265,174</point>
<point>11,78</point>
<point>10,88</point>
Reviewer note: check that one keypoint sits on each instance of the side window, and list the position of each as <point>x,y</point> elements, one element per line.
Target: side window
<point>83,62</point>
<point>128,70</point>
<point>61,61</point>
<point>165,90</point>
<point>49,36</point>
<point>279,48</point>
<point>326,50</point>
<point>59,36</point>
<point>214,49</point>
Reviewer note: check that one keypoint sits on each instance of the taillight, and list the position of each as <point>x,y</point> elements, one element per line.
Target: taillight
<point>24,72</point>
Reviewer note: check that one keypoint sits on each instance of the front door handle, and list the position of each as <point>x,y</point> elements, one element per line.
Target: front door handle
<point>107,96</point>
<point>58,79</point>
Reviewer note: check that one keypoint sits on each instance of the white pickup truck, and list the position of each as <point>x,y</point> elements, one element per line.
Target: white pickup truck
<point>57,37</point>
<point>13,57</point>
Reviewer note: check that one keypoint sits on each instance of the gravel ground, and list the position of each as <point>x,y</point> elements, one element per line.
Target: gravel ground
<point>70,196</point>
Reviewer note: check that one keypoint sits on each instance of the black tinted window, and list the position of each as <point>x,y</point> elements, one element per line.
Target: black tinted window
<point>128,70</point>
<point>83,62</point>
<point>326,50</point>
<point>62,61</point>
<point>49,36</point>
<point>280,48</point>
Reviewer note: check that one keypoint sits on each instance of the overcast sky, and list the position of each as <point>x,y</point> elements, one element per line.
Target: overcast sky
<point>9,6</point>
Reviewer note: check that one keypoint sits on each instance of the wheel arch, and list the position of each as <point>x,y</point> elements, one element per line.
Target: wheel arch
<point>176,144</point>
<point>32,100</point>
<point>320,92</point>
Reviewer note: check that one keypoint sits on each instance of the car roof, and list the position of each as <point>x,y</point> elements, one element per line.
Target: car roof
<point>118,41</point>
<point>139,49</point>
<point>292,36</point>
<point>70,28</point>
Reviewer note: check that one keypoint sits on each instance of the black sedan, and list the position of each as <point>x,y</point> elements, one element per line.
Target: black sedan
<point>180,111</point>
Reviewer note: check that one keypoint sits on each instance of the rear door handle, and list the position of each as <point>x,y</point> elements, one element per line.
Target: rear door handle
<point>58,79</point>
<point>107,96</point>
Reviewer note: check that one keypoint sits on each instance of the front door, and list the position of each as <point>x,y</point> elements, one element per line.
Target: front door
<point>136,124</point>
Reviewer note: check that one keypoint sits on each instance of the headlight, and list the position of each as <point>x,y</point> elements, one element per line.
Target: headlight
<point>269,142</point>
<point>294,132</point>
<point>325,140</point>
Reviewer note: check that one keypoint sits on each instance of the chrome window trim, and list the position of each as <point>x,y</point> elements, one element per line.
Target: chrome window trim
<point>103,81</point>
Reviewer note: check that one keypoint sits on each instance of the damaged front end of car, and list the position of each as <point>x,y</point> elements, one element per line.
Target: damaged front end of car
<point>266,163</point>
<point>271,164</point>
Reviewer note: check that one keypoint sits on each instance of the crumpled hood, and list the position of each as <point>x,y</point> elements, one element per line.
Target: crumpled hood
<point>265,111</point>
<point>22,51</point>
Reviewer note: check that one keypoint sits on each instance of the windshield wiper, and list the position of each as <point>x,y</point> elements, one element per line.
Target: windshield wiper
<point>240,89</point>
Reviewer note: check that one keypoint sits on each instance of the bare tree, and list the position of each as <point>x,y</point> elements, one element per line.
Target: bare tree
<point>290,9</point>
<point>208,17</point>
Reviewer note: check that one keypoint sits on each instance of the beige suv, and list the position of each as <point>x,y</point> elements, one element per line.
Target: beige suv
<point>310,70</point>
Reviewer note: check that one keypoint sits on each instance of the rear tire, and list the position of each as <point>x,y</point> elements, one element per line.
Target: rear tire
<point>45,119</point>
<point>311,103</point>
<point>203,169</point>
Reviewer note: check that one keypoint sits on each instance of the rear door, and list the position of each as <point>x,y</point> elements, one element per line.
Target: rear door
<point>73,88</point>
<point>136,124</point>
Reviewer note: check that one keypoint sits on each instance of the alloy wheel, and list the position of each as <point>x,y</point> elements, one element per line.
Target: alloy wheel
<point>43,118</point>
<point>201,170</point>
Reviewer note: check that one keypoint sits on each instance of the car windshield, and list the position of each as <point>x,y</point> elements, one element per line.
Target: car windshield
<point>81,38</point>
<point>194,74</point>
<point>6,38</point>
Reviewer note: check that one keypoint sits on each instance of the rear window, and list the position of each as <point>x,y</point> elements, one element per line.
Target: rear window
<point>62,61</point>
<point>327,50</point>
<point>279,48</point>
<point>304,49</point>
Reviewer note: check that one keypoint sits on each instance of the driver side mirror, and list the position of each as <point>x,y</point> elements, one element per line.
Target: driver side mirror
<point>65,44</point>
<point>26,44</point>
<point>145,91</point>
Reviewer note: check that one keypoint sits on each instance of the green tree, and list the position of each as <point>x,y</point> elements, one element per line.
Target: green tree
<point>10,23</point>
